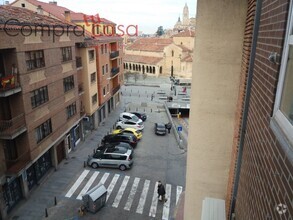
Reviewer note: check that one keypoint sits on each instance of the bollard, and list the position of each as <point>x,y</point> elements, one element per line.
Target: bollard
<point>113,127</point>
<point>136,109</point>
<point>46,213</point>
<point>138,95</point>
<point>151,110</point>
<point>129,108</point>
<point>84,163</point>
<point>144,109</point>
<point>55,200</point>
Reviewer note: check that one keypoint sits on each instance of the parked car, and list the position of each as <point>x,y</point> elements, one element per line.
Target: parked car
<point>127,116</point>
<point>130,124</point>
<point>160,128</point>
<point>136,133</point>
<point>114,138</point>
<point>140,115</point>
<point>115,145</point>
<point>116,157</point>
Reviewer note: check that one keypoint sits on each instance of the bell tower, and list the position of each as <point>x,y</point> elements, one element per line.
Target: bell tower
<point>185,15</point>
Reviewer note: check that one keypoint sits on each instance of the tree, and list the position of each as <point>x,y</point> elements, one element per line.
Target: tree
<point>126,76</point>
<point>160,31</point>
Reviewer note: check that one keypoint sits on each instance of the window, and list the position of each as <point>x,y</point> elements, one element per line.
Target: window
<point>282,121</point>
<point>43,130</point>
<point>106,48</point>
<point>103,70</point>
<point>34,59</point>
<point>93,77</point>
<point>106,68</point>
<point>39,96</point>
<point>71,110</point>
<point>91,55</point>
<point>172,53</point>
<point>102,49</point>
<point>68,83</point>
<point>104,91</point>
<point>108,88</point>
<point>94,99</point>
<point>23,5</point>
<point>66,54</point>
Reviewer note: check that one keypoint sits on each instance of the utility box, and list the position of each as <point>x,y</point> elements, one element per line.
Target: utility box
<point>95,198</point>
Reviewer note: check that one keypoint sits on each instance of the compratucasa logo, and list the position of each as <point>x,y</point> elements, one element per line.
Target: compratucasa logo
<point>94,25</point>
<point>281,208</point>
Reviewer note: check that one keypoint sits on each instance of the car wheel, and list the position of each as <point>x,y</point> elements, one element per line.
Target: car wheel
<point>119,127</point>
<point>95,165</point>
<point>122,167</point>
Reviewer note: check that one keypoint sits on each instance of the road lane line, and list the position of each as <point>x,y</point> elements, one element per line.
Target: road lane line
<point>77,183</point>
<point>88,185</point>
<point>132,194</point>
<point>178,193</point>
<point>120,192</point>
<point>153,209</point>
<point>111,186</point>
<point>166,208</point>
<point>143,197</point>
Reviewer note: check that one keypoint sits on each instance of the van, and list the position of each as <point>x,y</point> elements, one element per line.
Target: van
<point>126,116</point>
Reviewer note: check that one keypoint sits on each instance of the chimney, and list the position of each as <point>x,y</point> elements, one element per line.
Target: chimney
<point>6,2</point>
<point>39,10</point>
<point>67,16</point>
<point>53,3</point>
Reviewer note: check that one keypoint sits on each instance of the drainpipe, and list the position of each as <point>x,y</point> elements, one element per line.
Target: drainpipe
<point>246,106</point>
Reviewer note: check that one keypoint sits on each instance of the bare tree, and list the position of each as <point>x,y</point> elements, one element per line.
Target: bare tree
<point>144,76</point>
<point>136,76</point>
<point>127,75</point>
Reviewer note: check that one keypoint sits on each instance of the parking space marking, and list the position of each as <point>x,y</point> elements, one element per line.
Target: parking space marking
<point>121,191</point>
<point>153,209</point>
<point>166,208</point>
<point>143,197</point>
<point>132,194</point>
<point>111,186</point>
<point>77,183</point>
<point>178,193</point>
<point>88,185</point>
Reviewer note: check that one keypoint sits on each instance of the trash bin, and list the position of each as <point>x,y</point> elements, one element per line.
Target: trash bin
<point>95,198</point>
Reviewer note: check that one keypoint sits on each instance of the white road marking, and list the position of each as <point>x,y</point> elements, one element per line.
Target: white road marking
<point>153,209</point>
<point>111,186</point>
<point>120,192</point>
<point>104,178</point>
<point>88,185</point>
<point>166,208</point>
<point>132,194</point>
<point>178,193</point>
<point>77,183</point>
<point>143,197</point>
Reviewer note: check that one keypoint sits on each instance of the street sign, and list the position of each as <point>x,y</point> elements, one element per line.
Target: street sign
<point>179,128</point>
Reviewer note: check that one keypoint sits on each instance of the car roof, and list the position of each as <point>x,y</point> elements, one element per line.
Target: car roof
<point>160,124</point>
<point>127,113</point>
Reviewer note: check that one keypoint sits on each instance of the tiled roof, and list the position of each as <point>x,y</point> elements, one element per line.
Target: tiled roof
<point>58,11</point>
<point>142,59</point>
<point>187,59</point>
<point>185,33</point>
<point>22,16</point>
<point>150,44</point>
<point>184,49</point>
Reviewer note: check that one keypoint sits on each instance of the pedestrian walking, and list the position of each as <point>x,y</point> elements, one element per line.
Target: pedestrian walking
<point>161,192</point>
<point>168,126</point>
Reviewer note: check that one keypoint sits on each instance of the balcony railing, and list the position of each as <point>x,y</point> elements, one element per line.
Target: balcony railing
<point>80,89</point>
<point>114,54</point>
<point>9,85</point>
<point>115,89</point>
<point>10,129</point>
<point>78,62</point>
<point>16,165</point>
<point>114,71</point>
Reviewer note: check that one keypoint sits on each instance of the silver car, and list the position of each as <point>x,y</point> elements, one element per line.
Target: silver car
<point>115,157</point>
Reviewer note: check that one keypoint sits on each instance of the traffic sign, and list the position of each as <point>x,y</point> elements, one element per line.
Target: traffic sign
<point>179,128</point>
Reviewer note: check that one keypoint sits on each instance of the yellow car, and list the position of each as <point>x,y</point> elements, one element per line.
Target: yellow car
<point>133,131</point>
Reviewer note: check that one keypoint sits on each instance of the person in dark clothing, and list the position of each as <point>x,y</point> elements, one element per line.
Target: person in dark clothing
<point>161,191</point>
<point>168,127</point>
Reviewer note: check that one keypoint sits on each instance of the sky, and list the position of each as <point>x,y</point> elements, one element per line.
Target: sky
<point>148,15</point>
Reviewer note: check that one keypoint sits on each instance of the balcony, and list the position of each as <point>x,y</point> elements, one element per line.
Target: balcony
<point>9,85</point>
<point>80,89</point>
<point>10,129</point>
<point>114,54</point>
<point>78,62</point>
<point>114,71</point>
<point>116,89</point>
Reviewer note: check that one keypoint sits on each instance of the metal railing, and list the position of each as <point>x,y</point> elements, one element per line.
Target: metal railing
<point>115,89</point>
<point>114,54</point>
<point>114,71</point>
<point>12,126</point>
<point>78,62</point>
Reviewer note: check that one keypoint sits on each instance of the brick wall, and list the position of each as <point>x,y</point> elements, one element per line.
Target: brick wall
<point>266,171</point>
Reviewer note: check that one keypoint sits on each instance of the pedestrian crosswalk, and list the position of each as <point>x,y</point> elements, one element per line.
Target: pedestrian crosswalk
<point>130,193</point>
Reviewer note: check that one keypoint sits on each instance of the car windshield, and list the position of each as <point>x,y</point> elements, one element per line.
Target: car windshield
<point>135,118</point>
<point>161,126</point>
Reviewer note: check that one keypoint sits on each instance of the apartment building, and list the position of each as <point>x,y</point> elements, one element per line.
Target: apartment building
<point>102,70</point>
<point>40,101</point>
<point>240,146</point>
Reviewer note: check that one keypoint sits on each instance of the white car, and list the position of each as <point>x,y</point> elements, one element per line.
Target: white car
<point>126,116</point>
<point>130,124</point>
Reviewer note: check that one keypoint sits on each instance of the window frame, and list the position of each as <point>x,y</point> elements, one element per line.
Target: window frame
<point>71,110</point>
<point>39,96</point>
<point>68,84</point>
<point>91,54</point>
<point>280,125</point>
<point>66,53</point>
<point>34,62</point>
<point>93,79</point>
<point>40,129</point>
<point>94,99</point>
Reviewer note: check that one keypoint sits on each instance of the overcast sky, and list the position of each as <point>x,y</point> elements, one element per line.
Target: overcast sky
<point>148,15</point>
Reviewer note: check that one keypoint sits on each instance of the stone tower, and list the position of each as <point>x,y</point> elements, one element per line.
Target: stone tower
<point>185,15</point>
